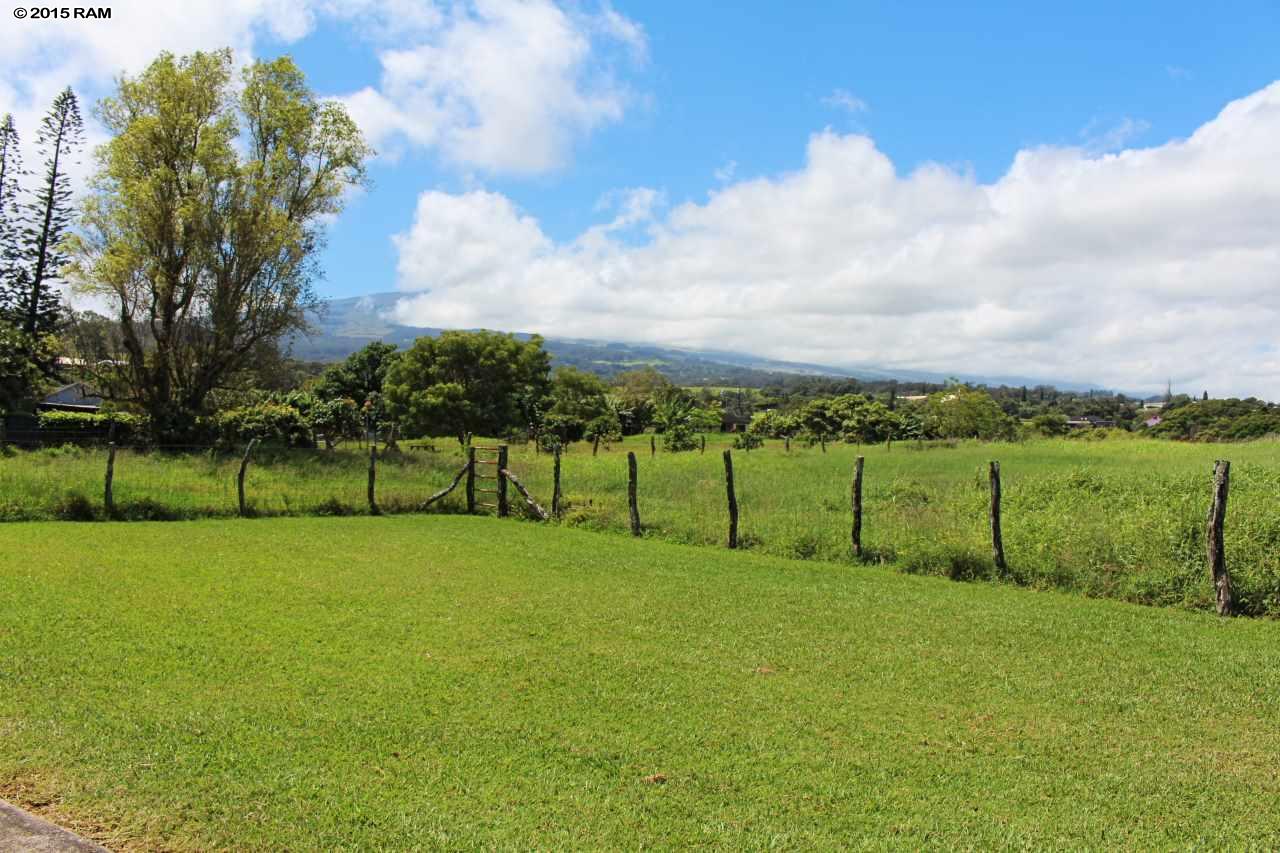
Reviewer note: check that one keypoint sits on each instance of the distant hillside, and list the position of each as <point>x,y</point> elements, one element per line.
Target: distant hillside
<point>346,325</point>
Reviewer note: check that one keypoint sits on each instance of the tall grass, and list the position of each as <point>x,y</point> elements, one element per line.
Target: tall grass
<point>1117,518</point>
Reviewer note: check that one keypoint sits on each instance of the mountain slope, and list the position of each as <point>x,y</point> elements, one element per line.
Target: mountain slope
<point>345,325</point>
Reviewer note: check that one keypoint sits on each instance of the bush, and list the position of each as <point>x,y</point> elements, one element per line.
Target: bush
<point>607,428</point>
<point>748,441</point>
<point>679,437</point>
<point>274,423</point>
<point>95,425</point>
<point>74,506</point>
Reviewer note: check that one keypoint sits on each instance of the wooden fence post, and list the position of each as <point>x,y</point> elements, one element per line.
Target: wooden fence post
<point>857,507</point>
<point>704,444</point>
<point>503,508</point>
<point>997,539</point>
<point>555,492</point>
<point>373,473</point>
<point>631,494</point>
<point>823,438</point>
<point>108,499</point>
<point>733,500</point>
<point>595,445</point>
<point>471,479</point>
<point>653,445</point>
<point>786,442</point>
<point>1214,538</point>
<point>244,465</point>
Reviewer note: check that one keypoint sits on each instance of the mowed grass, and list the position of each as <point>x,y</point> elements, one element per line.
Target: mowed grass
<point>1121,518</point>
<point>420,682</point>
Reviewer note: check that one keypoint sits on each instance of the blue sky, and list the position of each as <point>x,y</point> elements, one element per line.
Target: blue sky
<point>948,83</point>
<point>1084,192</point>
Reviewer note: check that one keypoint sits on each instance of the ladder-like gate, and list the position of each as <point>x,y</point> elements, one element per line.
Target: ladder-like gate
<point>487,463</point>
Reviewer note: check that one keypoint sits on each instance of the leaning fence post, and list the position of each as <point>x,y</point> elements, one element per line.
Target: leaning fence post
<point>471,479</point>
<point>373,472</point>
<point>555,491</point>
<point>503,509</point>
<point>107,499</point>
<point>857,507</point>
<point>631,493</point>
<point>733,500</point>
<point>244,465</point>
<point>997,540</point>
<point>595,445</point>
<point>1214,538</point>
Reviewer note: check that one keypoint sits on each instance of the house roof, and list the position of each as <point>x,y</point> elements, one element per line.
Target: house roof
<point>75,395</point>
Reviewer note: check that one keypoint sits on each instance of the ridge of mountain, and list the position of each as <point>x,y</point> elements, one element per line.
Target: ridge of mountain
<point>344,325</point>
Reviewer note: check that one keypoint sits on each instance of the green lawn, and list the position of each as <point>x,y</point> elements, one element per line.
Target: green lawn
<point>444,681</point>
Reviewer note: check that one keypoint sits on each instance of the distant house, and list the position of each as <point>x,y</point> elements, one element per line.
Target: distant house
<point>1090,422</point>
<point>73,397</point>
<point>734,420</point>
<point>1153,405</point>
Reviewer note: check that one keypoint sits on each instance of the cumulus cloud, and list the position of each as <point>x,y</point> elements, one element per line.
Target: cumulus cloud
<point>497,85</point>
<point>1121,268</point>
<point>502,85</point>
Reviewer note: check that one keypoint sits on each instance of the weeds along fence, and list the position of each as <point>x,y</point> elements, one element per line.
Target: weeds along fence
<point>1128,522</point>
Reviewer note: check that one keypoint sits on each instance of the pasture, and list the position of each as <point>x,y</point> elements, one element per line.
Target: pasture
<point>1121,518</point>
<point>437,681</point>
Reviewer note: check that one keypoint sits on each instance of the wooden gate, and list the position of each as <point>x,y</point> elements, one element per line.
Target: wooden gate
<point>486,462</point>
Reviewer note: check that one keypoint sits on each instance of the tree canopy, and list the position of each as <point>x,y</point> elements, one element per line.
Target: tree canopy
<point>206,213</point>
<point>482,383</point>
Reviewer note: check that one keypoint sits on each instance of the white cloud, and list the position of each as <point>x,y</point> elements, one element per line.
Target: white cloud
<point>502,85</point>
<point>495,85</point>
<point>1122,268</point>
<point>1099,138</point>
<point>843,100</point>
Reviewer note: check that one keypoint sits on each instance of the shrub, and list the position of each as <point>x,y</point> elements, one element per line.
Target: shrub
<point>333,506</point>
<point>273,423</point>
<point>74,506</point>
<point>679,437</point>
<point>748,441</point>
<point>93,425</point>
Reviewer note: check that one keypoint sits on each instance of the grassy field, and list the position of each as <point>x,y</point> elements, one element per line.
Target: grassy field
<point>1119,518</point>
<point>428,681</point>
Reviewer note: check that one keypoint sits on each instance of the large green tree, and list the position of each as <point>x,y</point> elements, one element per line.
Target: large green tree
<point>360,376</point>
<point>207,210</point>
<point>467,382</point>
